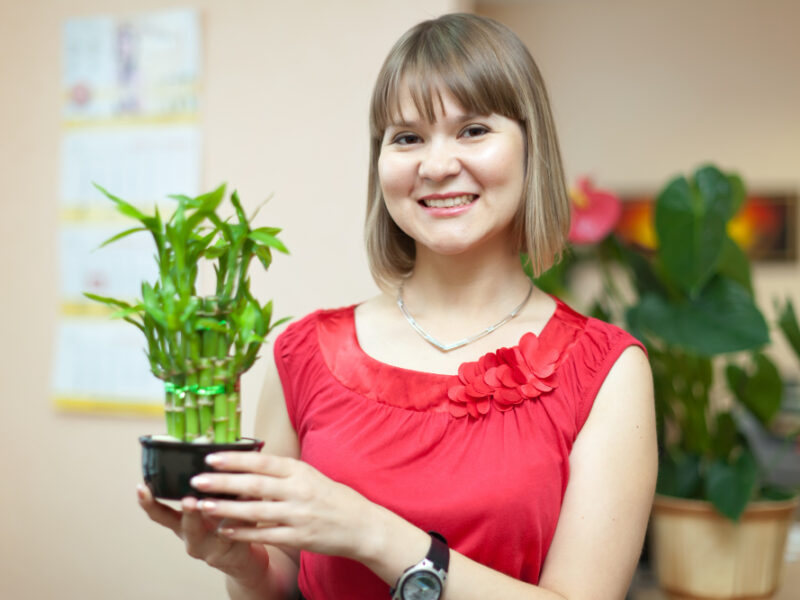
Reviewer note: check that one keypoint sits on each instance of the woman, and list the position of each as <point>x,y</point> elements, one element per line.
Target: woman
<point>536,462</point>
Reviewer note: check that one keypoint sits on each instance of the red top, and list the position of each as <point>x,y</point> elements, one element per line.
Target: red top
<point>482,457</point>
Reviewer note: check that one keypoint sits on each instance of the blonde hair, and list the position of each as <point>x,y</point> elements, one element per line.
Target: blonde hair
<point>487,69</point>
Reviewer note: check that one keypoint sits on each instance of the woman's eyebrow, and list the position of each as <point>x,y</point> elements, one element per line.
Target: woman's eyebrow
<point>416,123</point>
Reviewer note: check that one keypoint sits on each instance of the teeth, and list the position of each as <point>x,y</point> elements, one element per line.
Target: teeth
<point>449,202</point>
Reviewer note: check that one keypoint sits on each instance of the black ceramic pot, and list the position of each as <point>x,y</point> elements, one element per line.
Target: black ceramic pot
<point>168,466</point>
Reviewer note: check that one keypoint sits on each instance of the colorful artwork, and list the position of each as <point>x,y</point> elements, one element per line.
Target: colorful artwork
<point>765,227</point>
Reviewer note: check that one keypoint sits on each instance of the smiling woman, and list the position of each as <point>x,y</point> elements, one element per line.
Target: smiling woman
<point>400,466</point>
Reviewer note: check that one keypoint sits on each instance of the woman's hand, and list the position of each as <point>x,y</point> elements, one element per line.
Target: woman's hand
<point>293,506</point>
<point>247,563</point>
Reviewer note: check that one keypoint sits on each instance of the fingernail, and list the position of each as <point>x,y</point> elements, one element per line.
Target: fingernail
<point>206,505</point>
<point>226,531</point>
<point>141,491</point>
<point>214,460</point>
<point>200,481</point>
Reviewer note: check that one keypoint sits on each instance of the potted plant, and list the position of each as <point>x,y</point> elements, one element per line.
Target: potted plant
<point>719,525</point>
<point>199,346</point>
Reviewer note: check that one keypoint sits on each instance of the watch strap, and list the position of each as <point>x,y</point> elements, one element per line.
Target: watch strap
<point>439,552</point>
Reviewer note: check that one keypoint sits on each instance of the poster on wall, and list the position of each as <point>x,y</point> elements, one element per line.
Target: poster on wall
<point>130,123</point>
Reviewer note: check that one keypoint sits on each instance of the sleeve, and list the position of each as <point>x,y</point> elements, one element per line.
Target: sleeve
<point>595,353</point>
<point>290,351</point>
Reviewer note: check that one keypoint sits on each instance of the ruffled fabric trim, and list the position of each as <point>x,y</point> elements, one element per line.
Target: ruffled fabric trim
<point>502,379</point>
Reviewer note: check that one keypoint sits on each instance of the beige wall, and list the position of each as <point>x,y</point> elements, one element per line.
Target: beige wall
<point>645,89</point>
<point>285,102</point>
<point>640,93</point>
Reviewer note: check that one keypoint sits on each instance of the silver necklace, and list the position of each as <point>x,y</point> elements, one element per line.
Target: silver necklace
<point>447,347</point>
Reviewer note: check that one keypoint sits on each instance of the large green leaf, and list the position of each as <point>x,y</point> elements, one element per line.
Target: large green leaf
<point>725,436</point>
<point>761,391</point>
<point>690,220</point>
<point>722,319</point>
<point>734,264</point>
<point>730,486</point>
<point>679,475</point>
<point>717,191</point>
<point>787,321</point>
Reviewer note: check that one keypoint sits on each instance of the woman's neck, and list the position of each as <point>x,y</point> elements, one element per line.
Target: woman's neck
<point>477,285</point>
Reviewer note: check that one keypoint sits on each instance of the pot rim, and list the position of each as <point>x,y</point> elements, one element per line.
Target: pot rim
<point>759,509</point>
<point>245,442</point>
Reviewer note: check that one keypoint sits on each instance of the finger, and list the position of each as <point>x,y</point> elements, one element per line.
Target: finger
<point>253,462</point>
<point>279,535</point>
<point>246,513</point>
<point>160,513</point>
<point>243,485</point>
<point>194,525</point>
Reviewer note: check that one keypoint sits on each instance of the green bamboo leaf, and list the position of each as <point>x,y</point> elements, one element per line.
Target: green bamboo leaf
<point>263,237</point>
<point>121,235</point>
<point>131,310</point>
<point>210,202</point>
<point>266,312</point>
<point>152,304</point>
<point>280,322</point>
<point>258,209</point>
<point>264,256</point>
<point>237,205</point>
<point>730,486</point>
<point>189,310</point>
<point>128,209</point>
<point>107,300</point>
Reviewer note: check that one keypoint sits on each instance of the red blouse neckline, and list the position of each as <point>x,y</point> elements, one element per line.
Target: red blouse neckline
<point>503,378</point>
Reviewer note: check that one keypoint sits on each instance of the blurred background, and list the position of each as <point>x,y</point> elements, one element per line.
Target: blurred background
<point>642,90</point>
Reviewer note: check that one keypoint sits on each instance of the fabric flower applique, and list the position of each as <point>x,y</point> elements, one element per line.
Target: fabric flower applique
<point>504,378</point>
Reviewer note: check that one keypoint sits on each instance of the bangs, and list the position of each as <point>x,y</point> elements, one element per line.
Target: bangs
<point>435,62</point>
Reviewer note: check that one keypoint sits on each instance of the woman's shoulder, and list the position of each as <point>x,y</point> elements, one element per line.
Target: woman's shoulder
<point>595,333</point>
<point>303,328</point>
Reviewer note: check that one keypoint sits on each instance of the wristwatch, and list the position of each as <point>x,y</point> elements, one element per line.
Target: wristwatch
<point>426,579</point>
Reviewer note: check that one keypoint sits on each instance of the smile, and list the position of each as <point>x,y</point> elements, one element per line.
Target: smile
<point>451,202</point>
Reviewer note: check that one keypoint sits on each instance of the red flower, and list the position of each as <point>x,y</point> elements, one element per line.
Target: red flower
<point>504,378</point>
<point>594,213</point>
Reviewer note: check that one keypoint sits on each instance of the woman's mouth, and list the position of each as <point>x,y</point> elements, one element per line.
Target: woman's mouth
<point>450,202</point>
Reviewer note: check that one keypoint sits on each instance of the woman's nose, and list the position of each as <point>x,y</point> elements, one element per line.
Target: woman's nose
<point>439,161</point>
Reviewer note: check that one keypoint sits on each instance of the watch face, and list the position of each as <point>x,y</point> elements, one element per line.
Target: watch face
<point>422,586</point>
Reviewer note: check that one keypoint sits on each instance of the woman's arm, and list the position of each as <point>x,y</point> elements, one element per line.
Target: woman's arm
<point>597,541</point>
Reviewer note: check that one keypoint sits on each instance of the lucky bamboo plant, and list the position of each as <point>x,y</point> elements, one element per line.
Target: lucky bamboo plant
<point>200,345</point>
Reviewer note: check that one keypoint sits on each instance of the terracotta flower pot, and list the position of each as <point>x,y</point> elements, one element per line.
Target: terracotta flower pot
<point>168,466</point>
<point>699,554</point>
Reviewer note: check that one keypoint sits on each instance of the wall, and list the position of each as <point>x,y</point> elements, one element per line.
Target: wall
<point>285,102</point>
<point>643,90</point>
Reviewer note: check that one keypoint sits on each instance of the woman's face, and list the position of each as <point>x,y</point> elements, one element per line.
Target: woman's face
<point>454,184</point>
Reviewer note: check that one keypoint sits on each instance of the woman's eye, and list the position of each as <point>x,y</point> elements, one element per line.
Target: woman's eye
<point>474,131</point>
<point>405,139</point>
